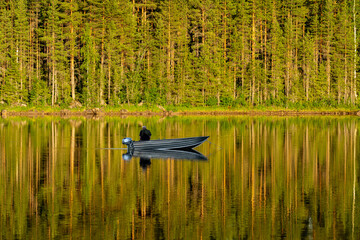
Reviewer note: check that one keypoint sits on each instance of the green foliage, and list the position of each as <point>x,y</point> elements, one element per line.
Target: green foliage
<point>185,53</point>
<point>10,87</point>
<point>89,67</point>
<point>240,101</point>
<point>211,101</point>
<point>227,101</point>
<point>39,94</point>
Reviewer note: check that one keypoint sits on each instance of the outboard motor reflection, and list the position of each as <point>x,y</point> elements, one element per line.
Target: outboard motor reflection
<point>127,156</point>
<point>128,141</point>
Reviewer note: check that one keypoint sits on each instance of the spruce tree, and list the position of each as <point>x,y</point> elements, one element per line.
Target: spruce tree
<point>277,57</point>
<point>5,49</point>
<point>72,23</point>
<point>21,24</point>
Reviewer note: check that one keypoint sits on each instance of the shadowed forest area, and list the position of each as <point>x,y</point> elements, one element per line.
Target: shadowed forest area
<point>179,52</point>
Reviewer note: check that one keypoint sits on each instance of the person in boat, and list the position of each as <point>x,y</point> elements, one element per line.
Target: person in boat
<point>145,134</point>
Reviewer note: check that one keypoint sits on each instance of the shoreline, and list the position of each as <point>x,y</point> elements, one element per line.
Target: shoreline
<point>123,112</point>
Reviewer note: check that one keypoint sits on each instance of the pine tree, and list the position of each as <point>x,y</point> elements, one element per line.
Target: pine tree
<point>21,47</point>
<point>277,60</point>
<point>95,26</point>
<point>355,57</point>
<point>88,68</point>
<point>72,23</point>
<point>125,50</point>
<point>327,32</point>
<point>5,48</point>
<point>239,50</point>
<point>11,84</point>
<point>181,56</point>
<point>198,72</point>
<point>343,46</point>
<point>33,58</point>
<point>56,60</point>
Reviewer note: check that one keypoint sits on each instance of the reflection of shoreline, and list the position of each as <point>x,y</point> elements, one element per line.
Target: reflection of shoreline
<point>189,154</point>
<point>277,177</point>
<point>96,112</point>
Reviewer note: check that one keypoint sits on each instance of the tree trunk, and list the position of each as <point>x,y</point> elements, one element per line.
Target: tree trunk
<point>265,63</point>
<point>109,78</point>
<point>288,61</point>
<point>53,100</point>
<point>355,53</point>
<point>345,70</point>
<point>253,39</point>
<point>328,66</point>
<point>30,69</point>
<point>224,46</point>
<point>197,49</point>
<point>72,53</point>
<point>101,84</point>
<point>168,61</point>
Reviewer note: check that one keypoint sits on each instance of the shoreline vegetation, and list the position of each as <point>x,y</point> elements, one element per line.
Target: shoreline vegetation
<point>294,54</point>
<point>171,111</point>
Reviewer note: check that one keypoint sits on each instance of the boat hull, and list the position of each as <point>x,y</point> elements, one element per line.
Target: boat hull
<point>169,144</point>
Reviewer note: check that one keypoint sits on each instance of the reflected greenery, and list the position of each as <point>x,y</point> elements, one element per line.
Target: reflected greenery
<point>265,177</point>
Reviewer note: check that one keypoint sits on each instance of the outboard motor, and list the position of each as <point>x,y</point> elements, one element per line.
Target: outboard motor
<point>128,141</point>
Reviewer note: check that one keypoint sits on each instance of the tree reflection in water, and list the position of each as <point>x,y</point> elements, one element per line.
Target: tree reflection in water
<point>290,177</point>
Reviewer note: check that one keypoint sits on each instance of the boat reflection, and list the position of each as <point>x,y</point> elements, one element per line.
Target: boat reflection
<point>146,156</point>
<point>188,154</point>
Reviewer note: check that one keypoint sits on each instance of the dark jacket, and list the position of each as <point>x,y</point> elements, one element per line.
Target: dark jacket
<point>145,135</point>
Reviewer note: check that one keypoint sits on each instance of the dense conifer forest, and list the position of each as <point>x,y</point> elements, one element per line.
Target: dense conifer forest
<point>179,52</point>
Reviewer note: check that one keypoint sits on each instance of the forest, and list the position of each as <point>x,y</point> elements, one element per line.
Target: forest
<point>179,52</point>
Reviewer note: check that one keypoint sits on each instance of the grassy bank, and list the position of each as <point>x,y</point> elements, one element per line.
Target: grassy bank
<point>172,110</point>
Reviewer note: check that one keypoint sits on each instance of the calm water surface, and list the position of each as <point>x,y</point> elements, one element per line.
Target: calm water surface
<point>264,178</point>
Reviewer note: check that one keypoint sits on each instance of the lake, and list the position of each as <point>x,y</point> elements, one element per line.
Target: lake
<point>263,178</point>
